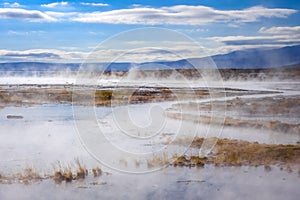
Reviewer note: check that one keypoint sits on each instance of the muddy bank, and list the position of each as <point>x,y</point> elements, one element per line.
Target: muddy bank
<point>280,113</point>
<point>277,126</point>
<point>285,106</point>
<point>27,95</point>
<point>236,153</point>
<point>104,97</point>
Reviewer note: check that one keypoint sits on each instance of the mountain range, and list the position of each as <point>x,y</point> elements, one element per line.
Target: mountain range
<point>243,59</point>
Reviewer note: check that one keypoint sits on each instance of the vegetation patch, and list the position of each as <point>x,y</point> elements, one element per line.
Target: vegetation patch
<point>162,160</point>
<point>66,173</point>
<point>26,95</point>
<point>28,175</point>
<point>236,153</point>
<point>276,125</point>
<point>73,172</point>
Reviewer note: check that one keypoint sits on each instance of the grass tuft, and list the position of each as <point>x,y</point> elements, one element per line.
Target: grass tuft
<point>158,161</point>
<point>97,171</point>
<point>82,172</point>
<point>31,173</point>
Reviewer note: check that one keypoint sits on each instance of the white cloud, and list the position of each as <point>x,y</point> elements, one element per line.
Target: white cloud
<point>289,35</point>
<point>24,33</point>
<point>94,4</point>
<point>68,54</point>
<point>290,30</point>
<point>258,40</point>
<point>273,37</point>
<point>47,55</point>
<point>193,30</point>
<point>55,4</point>
<point>182,15</point>
<point>96,33</point>
<point>174,15</point>
<point>137,5</point>
<point>12,5</point>
<point>179,51</point>
<point>61,16</point>
<point>230,48</point>
<point>27,15</point>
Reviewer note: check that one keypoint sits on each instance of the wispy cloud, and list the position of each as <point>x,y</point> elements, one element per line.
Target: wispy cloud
<point>94,4</point>
<point>193,30</point>
<point>61,16</point>
<point>100,55</point>
<point>11,5</point>
<point>136,5</point>
<point>182,15</point>
<point>34,55</point>
<point>273,35</point>
<point>42,55</point>
<point>257,40</point>
<point>290,30</point>
<point>68,54</point>
<point>27,15</point>
<point>55,4</point>
<point>24,33</point>
<point>174,15</point>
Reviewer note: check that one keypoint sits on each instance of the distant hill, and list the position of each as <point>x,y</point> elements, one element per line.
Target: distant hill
<point>37,66</point>
<point>246,59</point>
<point>257,58</point>
<point>30,68</point>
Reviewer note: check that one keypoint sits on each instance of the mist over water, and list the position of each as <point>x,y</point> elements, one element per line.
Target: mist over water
<point>150,100</point>
<point>143,110</point>
<point>47,134</point>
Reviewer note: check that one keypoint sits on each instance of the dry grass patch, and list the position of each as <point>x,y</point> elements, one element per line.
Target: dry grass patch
<point>236,153</point>
<point>97,171</point>
<point>65,173</point>
<point>158,161</point>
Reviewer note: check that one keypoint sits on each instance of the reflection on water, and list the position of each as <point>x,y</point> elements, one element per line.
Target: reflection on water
<point>47,133</point>
<point>169,183</point>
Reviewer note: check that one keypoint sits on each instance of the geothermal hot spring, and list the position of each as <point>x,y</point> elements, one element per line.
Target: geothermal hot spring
<point>132,143</point>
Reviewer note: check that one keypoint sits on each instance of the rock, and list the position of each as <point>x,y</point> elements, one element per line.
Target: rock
<point>14,117</point>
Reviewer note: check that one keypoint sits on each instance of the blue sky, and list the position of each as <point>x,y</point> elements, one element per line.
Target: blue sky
<point>66,31</point>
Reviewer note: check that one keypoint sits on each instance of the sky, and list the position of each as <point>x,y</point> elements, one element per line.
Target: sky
<point>68,31</point>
